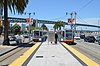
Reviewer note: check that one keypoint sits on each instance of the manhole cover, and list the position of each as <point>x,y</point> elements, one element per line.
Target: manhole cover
<point>39,56</point>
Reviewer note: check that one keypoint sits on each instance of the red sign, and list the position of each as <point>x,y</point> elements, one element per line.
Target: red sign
<point>29,20</point>
<point>70,21</point>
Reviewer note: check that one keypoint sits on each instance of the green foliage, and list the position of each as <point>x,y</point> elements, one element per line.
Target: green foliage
<point>16,29</point>
<point>23,31</point>
<point>58,24</point>
<point>44,27</point>
<point>31,28</point>
<point>15,5</point>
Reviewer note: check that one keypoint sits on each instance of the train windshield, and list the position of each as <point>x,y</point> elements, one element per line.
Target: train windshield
<point>68,34</point>
<point>37,33</point>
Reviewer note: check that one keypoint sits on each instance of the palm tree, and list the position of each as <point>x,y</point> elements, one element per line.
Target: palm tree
<point>58,24</point>
<point>18,5</point>
<point>1,29</point>
<point>44,27</point>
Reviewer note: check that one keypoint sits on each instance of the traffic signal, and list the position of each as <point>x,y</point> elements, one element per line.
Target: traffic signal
<point>29,20</point>
<point>70,21</point>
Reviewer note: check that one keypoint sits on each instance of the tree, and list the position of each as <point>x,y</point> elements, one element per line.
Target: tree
<point>16,29</point>
<point>58,24</point>
<point>55,26</point>
<point>18,5</point>
<point>44,27</point>
<point>1,29</point>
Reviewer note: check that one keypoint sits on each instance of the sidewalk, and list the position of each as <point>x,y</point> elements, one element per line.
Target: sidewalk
<point>53,55</point>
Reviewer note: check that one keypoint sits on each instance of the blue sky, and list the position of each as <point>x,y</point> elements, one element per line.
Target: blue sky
<point>52,9</point>
<point>56,9</point>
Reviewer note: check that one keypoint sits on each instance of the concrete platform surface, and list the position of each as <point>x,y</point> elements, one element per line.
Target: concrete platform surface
<point>53,55</point>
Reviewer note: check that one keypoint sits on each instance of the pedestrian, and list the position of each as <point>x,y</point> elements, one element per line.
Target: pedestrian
<point>56,37</point>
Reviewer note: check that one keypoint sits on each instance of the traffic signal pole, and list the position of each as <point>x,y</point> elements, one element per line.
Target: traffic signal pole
<point>72,26</point>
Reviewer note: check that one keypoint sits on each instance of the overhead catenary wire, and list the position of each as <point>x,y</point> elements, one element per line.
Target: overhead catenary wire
<point>82,20</point>
<point>84,6</point>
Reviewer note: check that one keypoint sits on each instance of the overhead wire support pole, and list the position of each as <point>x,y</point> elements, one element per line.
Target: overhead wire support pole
<point>29,26</point>
<point>72,26</point>
<point>75,22</point>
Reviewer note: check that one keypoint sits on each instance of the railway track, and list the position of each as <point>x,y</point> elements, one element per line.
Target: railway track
<point>89,51</point>
<point>9,57</point>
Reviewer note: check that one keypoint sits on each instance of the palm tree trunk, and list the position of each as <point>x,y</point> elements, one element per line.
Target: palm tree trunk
<point>6,39</point>
<point>60,28</point>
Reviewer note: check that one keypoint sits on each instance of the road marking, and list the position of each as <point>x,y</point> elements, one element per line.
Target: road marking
<point>85,59</point>
<point>19,61</point>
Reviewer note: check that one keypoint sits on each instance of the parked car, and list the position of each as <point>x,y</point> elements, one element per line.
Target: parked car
<point>97,38</point>
<point>89,39</point>
<point>25,35</point>
<point>12,38</point>
<point>77,38</point>
<point>82,36</point>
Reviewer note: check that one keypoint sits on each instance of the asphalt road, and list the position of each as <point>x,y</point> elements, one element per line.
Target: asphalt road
<point>91,50</point>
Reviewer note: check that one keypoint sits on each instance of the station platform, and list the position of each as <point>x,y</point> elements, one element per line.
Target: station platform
<point>53,55</point>
<point>60,54</point>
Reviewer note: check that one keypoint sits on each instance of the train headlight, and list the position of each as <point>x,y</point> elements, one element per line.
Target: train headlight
<point>62,39</point>
<point>40,39</point>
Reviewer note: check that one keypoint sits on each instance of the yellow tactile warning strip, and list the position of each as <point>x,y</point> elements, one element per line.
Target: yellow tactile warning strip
<point>85,59</point>
<point>19,61</point>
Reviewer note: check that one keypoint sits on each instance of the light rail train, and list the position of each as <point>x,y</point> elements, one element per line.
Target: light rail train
<point>39,35</point>
<point>66,36</point>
